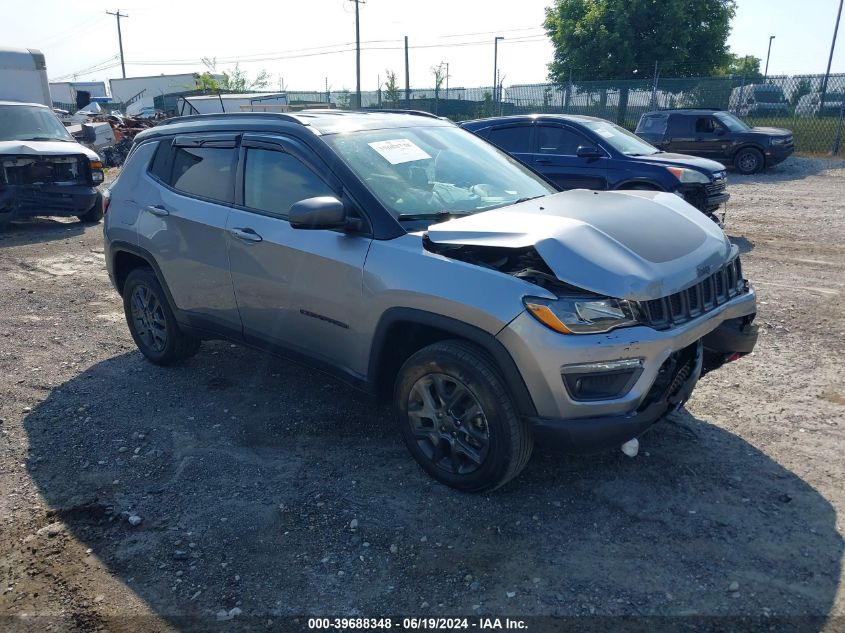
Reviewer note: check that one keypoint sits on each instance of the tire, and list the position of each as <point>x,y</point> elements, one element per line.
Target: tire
<point>95,213</point>
<point>151,321</point>
<point>748,160</point>
<point>499,444</point>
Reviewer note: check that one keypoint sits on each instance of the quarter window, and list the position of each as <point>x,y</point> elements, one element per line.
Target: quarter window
<point>206,172</point>
<point>553,139</point>
<point>513,139</point>
<point>274,181</point>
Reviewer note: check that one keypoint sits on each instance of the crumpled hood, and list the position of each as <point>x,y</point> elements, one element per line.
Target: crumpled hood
<point>635,245</point>
<point>45,148</point>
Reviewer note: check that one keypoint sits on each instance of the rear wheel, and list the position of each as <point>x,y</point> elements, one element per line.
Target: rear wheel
<point>748,161</point>
<point>151,321</point>
<point>95,213</point>
<point>457,418</point>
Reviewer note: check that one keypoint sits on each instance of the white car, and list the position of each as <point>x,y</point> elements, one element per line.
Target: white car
<point>811,105</point>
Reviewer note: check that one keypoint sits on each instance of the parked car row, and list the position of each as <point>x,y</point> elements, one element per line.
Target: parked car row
<point>415,260</point>
<point>581,152</point>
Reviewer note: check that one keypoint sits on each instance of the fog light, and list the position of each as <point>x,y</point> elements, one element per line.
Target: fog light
<point>601,381</point>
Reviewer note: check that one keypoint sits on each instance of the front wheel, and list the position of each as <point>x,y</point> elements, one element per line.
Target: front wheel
<point>457,418</point>
<point>748,161</point>
<point>95,213</point>
<point>151,321</point>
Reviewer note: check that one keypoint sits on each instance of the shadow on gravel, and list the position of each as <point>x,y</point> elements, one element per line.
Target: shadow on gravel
<point>38,230</point>
<point>793,168</point>
<point>247,472</point>
<point>745,245</point>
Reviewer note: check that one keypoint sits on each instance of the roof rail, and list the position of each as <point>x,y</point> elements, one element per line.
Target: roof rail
<point>229,115</point>
<point>401,111</point>
<point>691,108</point>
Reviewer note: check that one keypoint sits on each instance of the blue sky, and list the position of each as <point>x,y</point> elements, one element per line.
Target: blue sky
<point>165,37</point>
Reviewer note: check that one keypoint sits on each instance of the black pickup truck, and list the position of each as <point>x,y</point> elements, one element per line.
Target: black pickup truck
<point>718,135</point>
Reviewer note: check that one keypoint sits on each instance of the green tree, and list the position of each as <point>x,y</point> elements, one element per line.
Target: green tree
<point>236,80</point>
<point>803,88</point>
<point>622,39</point>
<point>392,92</point>
<point>747,66</point>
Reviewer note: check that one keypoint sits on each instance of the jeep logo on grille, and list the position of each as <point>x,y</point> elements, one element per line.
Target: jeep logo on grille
<point>703,270</point>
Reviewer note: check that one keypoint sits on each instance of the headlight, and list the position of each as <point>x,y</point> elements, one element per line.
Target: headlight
<point>779,141</point>
<point>688,175</point>
<point>581,315</point>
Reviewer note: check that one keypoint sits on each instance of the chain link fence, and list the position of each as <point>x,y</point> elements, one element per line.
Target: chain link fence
<point>812,108</point>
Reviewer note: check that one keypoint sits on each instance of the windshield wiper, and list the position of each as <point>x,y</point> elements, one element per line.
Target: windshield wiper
<point>520,200</point>
<point>44,138</point>
<point>440,216</point>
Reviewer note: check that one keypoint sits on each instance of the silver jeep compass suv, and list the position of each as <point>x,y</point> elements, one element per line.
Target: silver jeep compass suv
<point>409,257</point>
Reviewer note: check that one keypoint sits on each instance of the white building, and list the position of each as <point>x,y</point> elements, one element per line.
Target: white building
<point>139,92</point>
<point>249,102</point>
<point>65,91</point>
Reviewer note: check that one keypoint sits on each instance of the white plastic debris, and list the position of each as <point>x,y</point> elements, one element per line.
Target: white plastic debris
<point>631,447</point>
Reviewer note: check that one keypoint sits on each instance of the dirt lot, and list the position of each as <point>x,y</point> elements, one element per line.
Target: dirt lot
<point>266,490</point>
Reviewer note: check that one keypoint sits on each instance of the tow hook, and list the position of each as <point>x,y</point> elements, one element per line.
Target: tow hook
<point>631,447</point>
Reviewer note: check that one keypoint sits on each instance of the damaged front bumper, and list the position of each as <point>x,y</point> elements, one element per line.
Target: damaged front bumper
<point>645,372</point>
<point>47,199</point>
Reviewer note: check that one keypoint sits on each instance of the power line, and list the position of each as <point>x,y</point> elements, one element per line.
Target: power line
<point>117,16</point>
<point>349,48</point>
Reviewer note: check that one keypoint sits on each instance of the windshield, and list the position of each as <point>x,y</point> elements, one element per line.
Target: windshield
<point>432,171</point>
<point>30,123</point>
<point>731,122</point>
<point>621,139</point>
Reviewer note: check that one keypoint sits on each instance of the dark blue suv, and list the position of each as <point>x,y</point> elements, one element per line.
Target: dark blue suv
<point>582,152</point>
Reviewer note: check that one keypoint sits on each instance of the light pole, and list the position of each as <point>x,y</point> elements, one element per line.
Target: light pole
<point>496,66</point>
<point>766,72</point>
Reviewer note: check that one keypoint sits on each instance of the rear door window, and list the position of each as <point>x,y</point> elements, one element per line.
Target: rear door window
<point>515,139</point>
<point>678,125</point>
<point>555,139</point>
<point>205,172</point>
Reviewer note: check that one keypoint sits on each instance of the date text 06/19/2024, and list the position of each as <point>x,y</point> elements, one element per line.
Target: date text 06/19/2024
<point>413,624</point>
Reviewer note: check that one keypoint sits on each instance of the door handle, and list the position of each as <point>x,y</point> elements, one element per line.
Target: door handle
<point>245,234</point>
<point>158,210</point>
<point>542,161</point>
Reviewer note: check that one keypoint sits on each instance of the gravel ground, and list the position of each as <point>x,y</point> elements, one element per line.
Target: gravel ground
<point>239,486</point>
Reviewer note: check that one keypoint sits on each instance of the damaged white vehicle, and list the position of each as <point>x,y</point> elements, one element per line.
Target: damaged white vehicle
<point>43,170</point>
<point>413,259</point>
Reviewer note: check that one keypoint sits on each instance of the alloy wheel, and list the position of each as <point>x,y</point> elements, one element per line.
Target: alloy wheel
<point>448,423</point>
<point>148,318</point>
<point>748,162</point>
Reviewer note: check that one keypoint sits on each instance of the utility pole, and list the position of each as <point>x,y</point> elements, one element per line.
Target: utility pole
<point>830,59</point>
<point>496,66</point>
<point>766,72</point>
<point>447,78</point>
<point>407,77</point>
<point>357,54</point>
<point>119,15</point>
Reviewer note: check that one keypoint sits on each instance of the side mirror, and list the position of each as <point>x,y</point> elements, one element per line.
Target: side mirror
<point>586,151</point>
<point>720,131</point>
<point>321,213</point>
